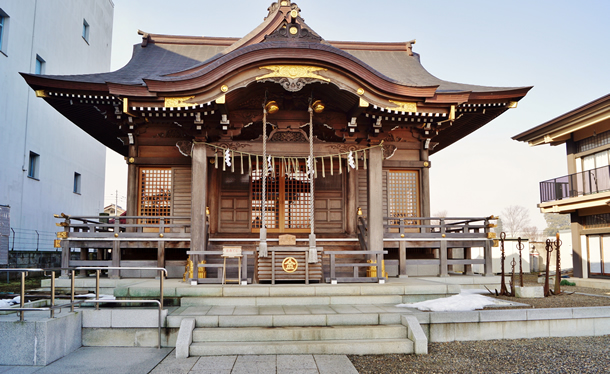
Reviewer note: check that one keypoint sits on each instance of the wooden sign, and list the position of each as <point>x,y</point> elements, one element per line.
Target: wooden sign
<point>231,251</point>
<point>288,240</point>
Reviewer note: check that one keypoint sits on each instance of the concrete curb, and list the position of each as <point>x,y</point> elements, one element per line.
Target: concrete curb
<point>416,334</point>
<point>185,337</point>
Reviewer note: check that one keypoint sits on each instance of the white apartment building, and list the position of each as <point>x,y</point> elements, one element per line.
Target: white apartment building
<point>48,165</point>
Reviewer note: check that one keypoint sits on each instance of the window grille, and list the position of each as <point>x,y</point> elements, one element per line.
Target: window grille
<point>593,142</point>
<point>403,194</point>
<point>155,195</point>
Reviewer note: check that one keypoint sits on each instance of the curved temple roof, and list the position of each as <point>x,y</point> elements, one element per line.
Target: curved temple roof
<point>164,64</point>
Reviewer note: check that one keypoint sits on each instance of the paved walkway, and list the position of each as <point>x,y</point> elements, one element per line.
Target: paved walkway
<point>162,361</point>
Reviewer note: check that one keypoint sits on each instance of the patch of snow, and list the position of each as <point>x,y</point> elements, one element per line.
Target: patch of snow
<point>6,303</point>
<point>467,300</point>
<point>92,296</point>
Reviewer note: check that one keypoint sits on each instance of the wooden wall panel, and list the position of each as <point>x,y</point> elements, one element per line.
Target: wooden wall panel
<point>181,197</point>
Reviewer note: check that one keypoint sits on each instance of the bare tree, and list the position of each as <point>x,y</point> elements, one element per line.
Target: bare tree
<point>515,219</point>
<point>532,233</point>
<point>440,214</point>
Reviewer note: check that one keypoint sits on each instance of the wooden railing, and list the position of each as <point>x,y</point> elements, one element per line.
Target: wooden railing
<point>114,233</point>
<point>87,227</point>
<point>441,233</point>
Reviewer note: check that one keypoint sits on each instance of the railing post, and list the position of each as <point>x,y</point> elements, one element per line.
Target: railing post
<point>443,250</point>
<point>52,294</point>
<point>402,251</point>
<point>22,297</point>
<point>72,291</point>
<point>97,288</point>
<point>488,272</point>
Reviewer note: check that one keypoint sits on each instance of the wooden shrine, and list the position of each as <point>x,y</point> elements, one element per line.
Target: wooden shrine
<point>235,141</point>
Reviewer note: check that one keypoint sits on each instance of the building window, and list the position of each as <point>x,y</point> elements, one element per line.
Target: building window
<point>155,193</point>
<point>86,31</point>
<point>34,165</point>
<point>403,194</point>
<point>76,183</point>
<point>40,65</point>
<point>592,142</point>
<point>3,29</point>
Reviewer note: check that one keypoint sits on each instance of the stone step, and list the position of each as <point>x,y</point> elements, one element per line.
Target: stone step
<point>288,320</point>
<point>314,333</point>
<point>358,347</point>
<point>300,300</point>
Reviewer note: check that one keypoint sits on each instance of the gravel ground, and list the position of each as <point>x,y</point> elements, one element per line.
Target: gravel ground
<point>570,297</point>
<point>544,355</point>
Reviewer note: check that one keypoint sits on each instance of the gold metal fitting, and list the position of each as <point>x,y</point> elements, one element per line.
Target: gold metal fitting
<point>116,235</point>
<point>294,13</point>
<point>207,210</point>
<point>294,30</point>
<point>426,164</point>
<point>284,3</point>
<point>62,235</point>
<point>491,235</point>
<point>512,104</point>
<point>496,243</point>
<point>131,160</point>
<point>360,91</point>
<point>318,106</point>
<point>272,107</point>
<point>224,88</point>
<point>402,235</point>
<point>443,235</point>
<point>161,235</point>
<point>359,211</point>
<point>56,215</point>
<point>492,225</point>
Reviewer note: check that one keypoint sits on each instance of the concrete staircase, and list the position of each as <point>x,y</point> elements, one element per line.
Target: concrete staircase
<point>347,319</point>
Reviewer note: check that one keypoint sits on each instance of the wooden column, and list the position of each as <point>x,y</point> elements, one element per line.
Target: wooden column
<point>116,260</point>
<point>132,188</point>
<point>375,200</point>
<point>425,185</point>
<point>580,262</point>
<point>198,201</point>
<point>351,209</point>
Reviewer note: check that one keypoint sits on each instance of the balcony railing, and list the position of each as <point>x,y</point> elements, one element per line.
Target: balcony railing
<point>578,184</point>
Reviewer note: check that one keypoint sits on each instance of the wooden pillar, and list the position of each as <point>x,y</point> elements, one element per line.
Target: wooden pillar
<point>198,201</point>
<point>375,201</point>
<point>161,254</point>
<point>578,254</point>
<point>442,253</point>
<point>132,189</point>
<point>351,210</point>
<point>116,260</point>
<point>84,255</point>
<point>402,253</point>
<point>425,185</point>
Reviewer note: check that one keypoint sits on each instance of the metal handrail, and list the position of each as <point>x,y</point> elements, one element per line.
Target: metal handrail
<point>22,308</point>
<point>97,301</point>
<point>100,268</point>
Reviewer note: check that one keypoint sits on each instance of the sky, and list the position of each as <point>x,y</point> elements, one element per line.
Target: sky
<point>562,48</point>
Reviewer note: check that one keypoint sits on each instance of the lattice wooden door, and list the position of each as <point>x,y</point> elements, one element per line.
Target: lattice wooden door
<point>288,200</point>
<point>155,194</point>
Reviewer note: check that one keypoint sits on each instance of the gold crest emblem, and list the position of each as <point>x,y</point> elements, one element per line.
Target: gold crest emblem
<point>290,265</point>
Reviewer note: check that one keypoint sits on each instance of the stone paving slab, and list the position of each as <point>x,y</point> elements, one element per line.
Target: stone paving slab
<point>164,361</point>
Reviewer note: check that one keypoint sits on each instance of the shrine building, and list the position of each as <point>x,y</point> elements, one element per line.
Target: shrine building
<point>234,142</point>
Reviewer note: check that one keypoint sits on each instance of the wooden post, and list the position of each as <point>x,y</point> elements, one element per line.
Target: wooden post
<point>375,201</point>
<point>425,185</point>
<point>161,254</point>
<point>488,272</point>
<point>402,253</point>
<point>198,202</point>
<point>65,257</point>
<point>132,189</point>
<point>443,271</point>
<point>351,209</point>
<point>116,260</point>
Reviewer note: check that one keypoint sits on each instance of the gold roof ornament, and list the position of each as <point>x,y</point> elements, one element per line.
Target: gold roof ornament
<point>292,72</point>
<point>178,102</point>
<point>402,106</point>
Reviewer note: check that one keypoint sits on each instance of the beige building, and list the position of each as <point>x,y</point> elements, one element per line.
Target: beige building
<point>585,192</point>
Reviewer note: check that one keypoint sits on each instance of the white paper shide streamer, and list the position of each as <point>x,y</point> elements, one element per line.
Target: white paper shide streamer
<point>228,157</point>
<point>350,160</point>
